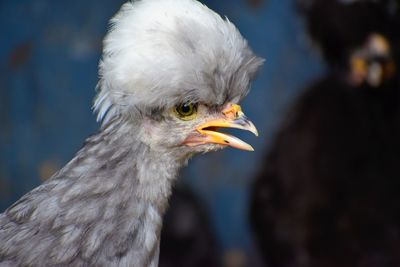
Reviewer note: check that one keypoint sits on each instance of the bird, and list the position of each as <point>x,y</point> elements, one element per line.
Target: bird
<point>172,74</point>
<point>328,194</point>
<point>187,236</point>
<point>340,40</point>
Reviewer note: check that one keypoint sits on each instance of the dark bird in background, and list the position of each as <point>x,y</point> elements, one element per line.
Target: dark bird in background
<point>187,238</point>
<point>340,27</point>
<point>328,192</point>
<point>172,73</point>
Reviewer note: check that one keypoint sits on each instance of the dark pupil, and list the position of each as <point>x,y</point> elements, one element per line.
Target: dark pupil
<point>186,108</point>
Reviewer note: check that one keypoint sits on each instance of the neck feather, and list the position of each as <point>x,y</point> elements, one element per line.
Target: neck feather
<point>109,199</point>
<point>117,158</point>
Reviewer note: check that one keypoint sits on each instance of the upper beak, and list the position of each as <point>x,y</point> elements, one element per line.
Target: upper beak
<point>231,117</point>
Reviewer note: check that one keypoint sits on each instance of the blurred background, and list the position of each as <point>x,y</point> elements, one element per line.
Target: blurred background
<point>325,104</point>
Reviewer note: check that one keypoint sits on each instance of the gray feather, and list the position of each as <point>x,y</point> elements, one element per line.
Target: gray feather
<point>95,211</point>
<point>174,51</point>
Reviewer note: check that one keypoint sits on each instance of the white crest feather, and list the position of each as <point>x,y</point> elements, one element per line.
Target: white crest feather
<point>159,52</point>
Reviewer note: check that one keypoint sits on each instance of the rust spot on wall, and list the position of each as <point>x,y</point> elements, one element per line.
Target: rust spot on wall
<point>5,189</point>
<point>20,55</point>
<point>255,3</point>
<point>47,169</point>
<point>235,258</point>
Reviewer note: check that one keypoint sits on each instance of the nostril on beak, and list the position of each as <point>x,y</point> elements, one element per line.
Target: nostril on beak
<point>232,111</point>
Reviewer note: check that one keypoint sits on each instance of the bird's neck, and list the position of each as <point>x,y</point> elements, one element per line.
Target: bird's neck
<point>119,157</point>
<point>129,180</point>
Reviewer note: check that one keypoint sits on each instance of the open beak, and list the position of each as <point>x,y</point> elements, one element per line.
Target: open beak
<point>232,117</point>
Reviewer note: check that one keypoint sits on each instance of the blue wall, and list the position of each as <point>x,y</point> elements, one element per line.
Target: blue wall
<point>49,52</point>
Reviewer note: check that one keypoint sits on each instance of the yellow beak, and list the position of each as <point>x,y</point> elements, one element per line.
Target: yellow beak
<point>232,117</point>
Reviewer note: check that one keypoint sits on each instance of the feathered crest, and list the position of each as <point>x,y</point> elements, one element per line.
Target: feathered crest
<point>160,52</point>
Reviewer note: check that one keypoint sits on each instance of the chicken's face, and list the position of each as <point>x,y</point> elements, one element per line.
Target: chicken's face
<point>195,128</point>
<point>176,70</point>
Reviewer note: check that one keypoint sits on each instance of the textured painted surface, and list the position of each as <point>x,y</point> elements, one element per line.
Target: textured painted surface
<point>49,52</point>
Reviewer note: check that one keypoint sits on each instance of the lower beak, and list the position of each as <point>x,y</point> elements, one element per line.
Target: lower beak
<point>232,117</point>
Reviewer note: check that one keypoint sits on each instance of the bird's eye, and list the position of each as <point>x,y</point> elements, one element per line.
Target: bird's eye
<point>186,111</point>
